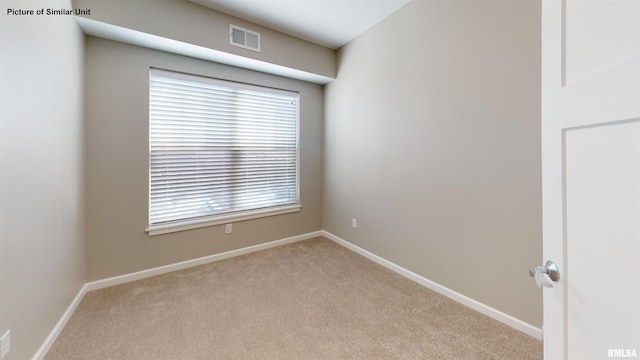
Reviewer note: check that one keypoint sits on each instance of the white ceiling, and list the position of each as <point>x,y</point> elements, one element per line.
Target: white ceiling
<point>330,23</point>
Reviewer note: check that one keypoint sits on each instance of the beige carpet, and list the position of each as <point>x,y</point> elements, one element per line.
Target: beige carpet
<point>308,300</point>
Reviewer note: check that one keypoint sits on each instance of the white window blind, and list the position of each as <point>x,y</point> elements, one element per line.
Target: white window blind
<point>219,148</point>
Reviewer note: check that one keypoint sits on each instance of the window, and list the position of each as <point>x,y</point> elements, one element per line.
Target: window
<point>219,151</point>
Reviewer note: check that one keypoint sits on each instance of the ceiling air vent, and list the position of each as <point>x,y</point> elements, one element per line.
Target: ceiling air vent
<point>244,38</point>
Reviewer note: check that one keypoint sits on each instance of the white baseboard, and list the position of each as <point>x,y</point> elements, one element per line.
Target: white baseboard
<point>465,300</point>
<point>48,342</point>
<point>117,280</point>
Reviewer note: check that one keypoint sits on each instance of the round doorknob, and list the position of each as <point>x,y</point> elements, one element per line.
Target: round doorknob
<point>550,268</point>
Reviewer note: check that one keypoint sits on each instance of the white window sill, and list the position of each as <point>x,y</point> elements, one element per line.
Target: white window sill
<point>219,220</point>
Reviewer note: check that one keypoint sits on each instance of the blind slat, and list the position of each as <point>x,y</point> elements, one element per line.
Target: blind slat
<point>218,147</point>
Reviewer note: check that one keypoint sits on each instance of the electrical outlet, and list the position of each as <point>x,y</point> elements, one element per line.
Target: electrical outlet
<point>228,228</point>
<point>354,223</point>
<point>5,344</point>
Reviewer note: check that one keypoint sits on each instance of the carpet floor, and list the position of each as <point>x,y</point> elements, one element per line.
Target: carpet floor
<point>307,300</point>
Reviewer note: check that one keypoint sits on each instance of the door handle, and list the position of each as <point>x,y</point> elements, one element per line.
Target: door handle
<point>550,269</point>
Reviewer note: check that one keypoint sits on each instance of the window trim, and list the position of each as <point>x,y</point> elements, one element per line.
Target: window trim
<point>225,218</point>
<point>221,219</point>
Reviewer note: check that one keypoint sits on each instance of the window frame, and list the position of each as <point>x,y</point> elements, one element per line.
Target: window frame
<point>233,216</point>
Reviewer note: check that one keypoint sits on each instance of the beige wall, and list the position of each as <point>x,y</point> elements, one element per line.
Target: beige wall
<point>41,172</point>
<point>432,141</point>
<point>195,24</point>
<point>117,121</point>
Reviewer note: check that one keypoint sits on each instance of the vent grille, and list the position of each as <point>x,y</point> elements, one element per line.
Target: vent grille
<point>244,38</point>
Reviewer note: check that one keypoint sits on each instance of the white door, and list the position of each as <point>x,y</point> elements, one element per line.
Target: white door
<point>591,177</point>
